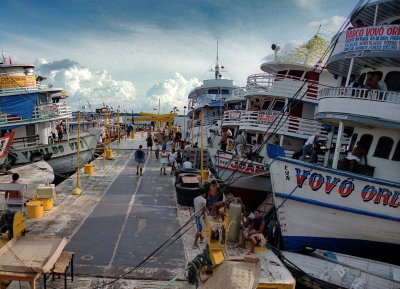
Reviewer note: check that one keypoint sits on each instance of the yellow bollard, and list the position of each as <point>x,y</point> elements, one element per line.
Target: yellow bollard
<point>109,153</point>
<point>47,204</point>
<point>34,209</point>
<point>204,175</point>
<point>88,169</point>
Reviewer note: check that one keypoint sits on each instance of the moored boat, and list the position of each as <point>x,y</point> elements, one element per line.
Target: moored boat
<point>350,205</point>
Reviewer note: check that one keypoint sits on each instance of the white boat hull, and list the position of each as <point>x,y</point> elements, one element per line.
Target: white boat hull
<point>64,154</point>
<point>335,210</point>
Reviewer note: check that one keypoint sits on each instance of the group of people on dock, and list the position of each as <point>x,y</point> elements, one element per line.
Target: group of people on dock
<point>252,223</point>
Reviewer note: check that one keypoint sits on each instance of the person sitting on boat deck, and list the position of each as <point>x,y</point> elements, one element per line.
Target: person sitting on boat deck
<point>353,158</point>
<point>163,161</point>
<point>254,230</point>
<point>239,142</point>
<point>187,164</point>
<point>224,139</point>
<point>140,158</point>
<point>245,222</point>
<point>257,105</point>
<point>213,193</point>
<point>371,81</point>
<point>14,198</point>
<point>309,147</point>
<point>200,205</point>
<point>359,24</point>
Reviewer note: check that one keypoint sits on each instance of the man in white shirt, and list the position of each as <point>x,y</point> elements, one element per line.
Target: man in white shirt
<point>239,142</point>
<point>163,161</point>
<point>172,159</point>
<point>308,147</point>
<point>199,208</point>
<point>187,164</point>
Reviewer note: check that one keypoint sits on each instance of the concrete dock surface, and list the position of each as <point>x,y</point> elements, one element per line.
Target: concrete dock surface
<point>118,221</point>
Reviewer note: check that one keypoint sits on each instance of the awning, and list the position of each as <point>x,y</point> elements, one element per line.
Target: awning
<point>20,105</point>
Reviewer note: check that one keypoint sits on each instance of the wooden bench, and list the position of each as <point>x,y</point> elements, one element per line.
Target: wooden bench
<point>65,260</point>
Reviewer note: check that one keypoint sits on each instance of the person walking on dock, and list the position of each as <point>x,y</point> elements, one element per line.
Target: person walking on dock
<point>140,158</point>
<point>157,148</point>
<point>163,161</point>
<point>199,209</point>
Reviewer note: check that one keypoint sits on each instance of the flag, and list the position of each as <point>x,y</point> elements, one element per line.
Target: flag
<point>10,59</point>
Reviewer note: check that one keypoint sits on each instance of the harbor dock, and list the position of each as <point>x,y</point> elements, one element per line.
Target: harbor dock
<point>119,220</point>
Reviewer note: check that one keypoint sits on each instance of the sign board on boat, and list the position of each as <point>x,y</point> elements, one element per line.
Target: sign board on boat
<point>265,117</point>
<point>234,115</point>
<point>383,37</point>
<point>17,81</point>
<point>50,110</point>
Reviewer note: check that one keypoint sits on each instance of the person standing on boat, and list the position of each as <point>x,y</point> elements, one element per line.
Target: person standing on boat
<point>309,147</point>
<point>199,209</point>
<point>59,129</point>
<point>140,158</point>
<point>257,105</point>
<point>239,142</point>
<point>224,139</point>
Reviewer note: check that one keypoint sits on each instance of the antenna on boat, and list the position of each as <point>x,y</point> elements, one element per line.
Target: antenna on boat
<point>217,69</point>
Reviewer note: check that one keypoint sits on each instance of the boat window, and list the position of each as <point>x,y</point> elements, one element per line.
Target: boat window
<point>384,147</point>
<point>278,105</point>
<point>296,73</point>
<point>213,91</point>
<point>42,99</point>
<point>392,80</point>
<point>353,141</point>
<point>366,140</point>
<point>397,21</point>
<point>282,72</point>
<point>266,104</point>
<point>295,108</point>
<point>396,155</point>
<point>225,91</point>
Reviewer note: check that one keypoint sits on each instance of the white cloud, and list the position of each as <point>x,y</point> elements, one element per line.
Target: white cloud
<point>306,3</point>
<point>83,85</point>
<point>330,25</point>
<point>171,92</point>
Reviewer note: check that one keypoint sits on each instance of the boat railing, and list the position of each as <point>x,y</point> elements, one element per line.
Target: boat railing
<point>23,142</point>
<point>232,116</point>
<point>361,93</point>
<point>283,86</point>
<point>41,112</point>
<point>288,125</point>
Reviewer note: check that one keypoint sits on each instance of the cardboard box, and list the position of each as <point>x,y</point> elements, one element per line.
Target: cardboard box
<point>46,191</point>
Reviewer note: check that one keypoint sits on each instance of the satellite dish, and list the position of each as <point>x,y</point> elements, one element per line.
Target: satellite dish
<point>275,47</point>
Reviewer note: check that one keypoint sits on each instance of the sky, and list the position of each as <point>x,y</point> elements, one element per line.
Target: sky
<point>130,53</point>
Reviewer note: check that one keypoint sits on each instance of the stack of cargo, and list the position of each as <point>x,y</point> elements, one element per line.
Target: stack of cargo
<point>46,194</point>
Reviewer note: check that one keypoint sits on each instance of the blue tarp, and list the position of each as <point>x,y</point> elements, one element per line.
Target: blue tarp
<point>19,105</point>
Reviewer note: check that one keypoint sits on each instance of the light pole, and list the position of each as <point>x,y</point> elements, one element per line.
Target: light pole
<point>184,123</point>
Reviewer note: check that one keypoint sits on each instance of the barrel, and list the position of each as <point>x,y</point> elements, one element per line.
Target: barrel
<point>235,215</point>
<point>47,204</point>
<point>34,209</point>
<point>109,153</point>
<point>88,169</point>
